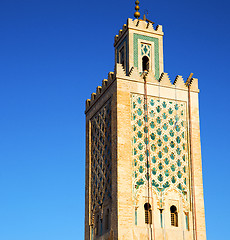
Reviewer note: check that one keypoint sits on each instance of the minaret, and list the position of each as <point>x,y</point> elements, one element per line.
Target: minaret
<point>143,154</point>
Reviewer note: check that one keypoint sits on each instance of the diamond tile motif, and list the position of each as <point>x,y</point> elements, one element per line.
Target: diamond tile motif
<point>167,140</point>
<point>101,156</point>
<point>145,50</point>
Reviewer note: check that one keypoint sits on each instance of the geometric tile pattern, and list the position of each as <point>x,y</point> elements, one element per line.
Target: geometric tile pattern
<point>164,131</point>
<point>101,156</point>
<point>145,50</point>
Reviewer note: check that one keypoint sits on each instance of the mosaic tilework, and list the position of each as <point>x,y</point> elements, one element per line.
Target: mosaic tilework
<point>101,155</point>
<point>166,136</point>
<point>145,50</point>
<point>156,49</point>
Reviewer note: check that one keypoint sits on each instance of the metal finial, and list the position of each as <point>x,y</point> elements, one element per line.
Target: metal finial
<point>137,14</point>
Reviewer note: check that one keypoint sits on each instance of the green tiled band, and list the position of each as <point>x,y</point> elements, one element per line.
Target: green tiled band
<point>156,50</point>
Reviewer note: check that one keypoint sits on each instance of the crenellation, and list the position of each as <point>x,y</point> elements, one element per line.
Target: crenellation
<point>159,28</point>
<point>104,84</point>
<point>87,103</point>
<point>134,74</point>
<point>194,85</point>
<point>93,96</point>
<point>179,82</point>
<point>138,24</point>
<point>131,70</point>
<point>110,76</point>
<point>120,71</point>
<point>151,78</point>
<point>143,25</point>
<point>164,80</point>
<point>121,32</point>
<point>98,91</point>
<point>150,26</point>
<point>115,38</point>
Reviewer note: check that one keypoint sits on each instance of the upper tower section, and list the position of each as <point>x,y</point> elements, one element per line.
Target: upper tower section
<point>140,45</point>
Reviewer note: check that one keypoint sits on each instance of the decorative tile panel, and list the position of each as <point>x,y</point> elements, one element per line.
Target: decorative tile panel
<point>156,51</point>
<point>145,50</point>
<point>166,138</point>
<point>101,156</point>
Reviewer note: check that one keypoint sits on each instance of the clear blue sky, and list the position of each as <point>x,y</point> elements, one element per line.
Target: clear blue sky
<point>53,55</point>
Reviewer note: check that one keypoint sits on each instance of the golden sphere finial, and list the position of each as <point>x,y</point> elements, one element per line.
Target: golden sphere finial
<point>137,14</point>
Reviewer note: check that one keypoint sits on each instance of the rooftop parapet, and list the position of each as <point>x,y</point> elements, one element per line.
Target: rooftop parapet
<point>99,90</point>
<point>164,81</point>
<point>140,25</point>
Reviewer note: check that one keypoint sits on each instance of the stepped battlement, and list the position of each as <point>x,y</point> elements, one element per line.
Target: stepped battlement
<point>134,75</point>
<point>164,79</point>
<point>140,25</point>
<point>100,89</point>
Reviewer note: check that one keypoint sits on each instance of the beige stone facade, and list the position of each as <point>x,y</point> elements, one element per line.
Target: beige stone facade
<point>143,147</point>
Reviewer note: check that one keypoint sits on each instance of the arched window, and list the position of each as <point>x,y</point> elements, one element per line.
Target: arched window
<point>174,216</point>
<point>107,220</point>
<point>148,213</point>
<point>145,63</point>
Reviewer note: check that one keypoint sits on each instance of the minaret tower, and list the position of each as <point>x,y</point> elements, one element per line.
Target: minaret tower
<point>143,154</point>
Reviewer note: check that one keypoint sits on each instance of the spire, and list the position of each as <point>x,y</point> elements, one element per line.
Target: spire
<point>137,14</point>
